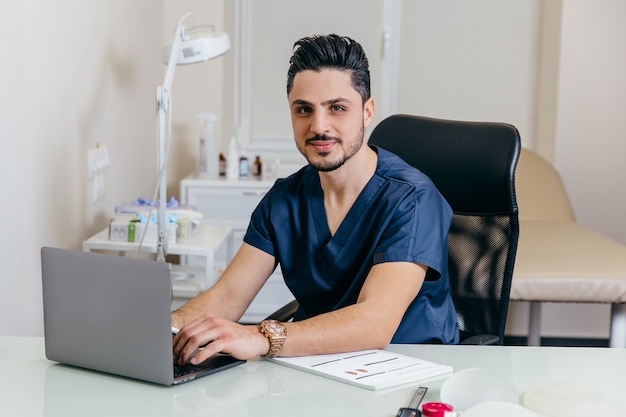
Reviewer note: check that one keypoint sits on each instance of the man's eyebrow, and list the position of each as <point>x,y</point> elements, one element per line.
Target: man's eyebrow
<point>332,101</point>
<point>336,100</point>
<point>299,102</point>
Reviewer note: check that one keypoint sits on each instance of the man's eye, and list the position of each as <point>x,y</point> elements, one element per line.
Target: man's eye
<point>337,108</point>
<point>303,110</point>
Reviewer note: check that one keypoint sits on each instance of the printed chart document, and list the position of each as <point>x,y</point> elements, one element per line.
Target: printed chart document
<point>372,369</point>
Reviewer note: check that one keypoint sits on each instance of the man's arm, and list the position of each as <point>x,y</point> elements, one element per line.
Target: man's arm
<point>231,295</point>
<point>370,323</point>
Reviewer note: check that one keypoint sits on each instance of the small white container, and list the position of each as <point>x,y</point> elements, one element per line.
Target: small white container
<point>209,154</point>
<point>232,160</point>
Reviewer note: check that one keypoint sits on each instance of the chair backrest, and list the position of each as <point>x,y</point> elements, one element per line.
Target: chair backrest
<point>473,166</point>
<point>540,190</point>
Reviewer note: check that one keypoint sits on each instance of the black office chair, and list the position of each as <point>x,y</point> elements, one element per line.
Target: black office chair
<point>473,165</point>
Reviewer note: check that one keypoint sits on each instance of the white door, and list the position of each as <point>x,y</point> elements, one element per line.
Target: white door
<point>268,30</point>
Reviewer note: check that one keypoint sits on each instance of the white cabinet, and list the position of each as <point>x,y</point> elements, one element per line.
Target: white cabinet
<point>230,203</point>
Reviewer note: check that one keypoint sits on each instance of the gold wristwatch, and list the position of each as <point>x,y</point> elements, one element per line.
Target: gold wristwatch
<point>276,332</point>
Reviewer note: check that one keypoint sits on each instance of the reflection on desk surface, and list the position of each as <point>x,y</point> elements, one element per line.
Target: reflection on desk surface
<point>38,387</point>
<point>260,389</point>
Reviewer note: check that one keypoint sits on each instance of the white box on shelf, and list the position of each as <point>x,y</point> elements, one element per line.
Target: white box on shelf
<point>126,228</point>
<point>152,232</point>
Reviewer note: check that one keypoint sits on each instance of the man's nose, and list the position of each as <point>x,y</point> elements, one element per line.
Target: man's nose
<point>320,123</point>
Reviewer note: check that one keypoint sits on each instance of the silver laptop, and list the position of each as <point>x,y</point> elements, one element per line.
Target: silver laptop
<point>112,314</point>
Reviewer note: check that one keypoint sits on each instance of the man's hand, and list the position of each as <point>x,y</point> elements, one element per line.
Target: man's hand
<point>207,335</point>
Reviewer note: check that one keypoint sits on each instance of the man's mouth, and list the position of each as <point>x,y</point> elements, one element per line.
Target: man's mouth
<point>323,146</point>
<point>322,143</point>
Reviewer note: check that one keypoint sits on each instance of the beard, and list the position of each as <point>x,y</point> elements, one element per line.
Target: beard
<point>327,165</point>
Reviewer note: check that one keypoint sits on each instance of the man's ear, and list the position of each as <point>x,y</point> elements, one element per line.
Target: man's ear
<point>368,112</point>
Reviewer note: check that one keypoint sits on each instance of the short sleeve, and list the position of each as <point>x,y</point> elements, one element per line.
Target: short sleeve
<point>418,232</point>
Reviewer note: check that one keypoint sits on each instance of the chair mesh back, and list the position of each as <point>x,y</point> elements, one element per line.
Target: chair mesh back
<point>478,249</point>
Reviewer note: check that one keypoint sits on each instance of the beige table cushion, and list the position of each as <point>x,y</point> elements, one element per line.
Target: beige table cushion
<point>563,261</point>
<point>539,190</point>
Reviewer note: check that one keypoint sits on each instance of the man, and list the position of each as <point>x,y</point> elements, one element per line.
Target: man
<point>361,237</point>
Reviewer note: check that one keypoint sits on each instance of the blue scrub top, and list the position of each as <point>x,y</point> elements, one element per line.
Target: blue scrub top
<point>398,217</point>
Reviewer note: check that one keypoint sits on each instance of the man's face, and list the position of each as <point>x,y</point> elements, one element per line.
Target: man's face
<point>328,117</point>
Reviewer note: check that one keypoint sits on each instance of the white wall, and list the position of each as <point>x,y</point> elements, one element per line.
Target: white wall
<point>73,73</point>
<point>590,147</point>
<point>473,60</point>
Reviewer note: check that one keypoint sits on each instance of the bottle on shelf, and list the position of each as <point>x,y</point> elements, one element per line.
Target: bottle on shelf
<point>232,161</point>
<point>257,167</point>
<point>208,166</point>
<point>222,165</point>
<point>244,165</point>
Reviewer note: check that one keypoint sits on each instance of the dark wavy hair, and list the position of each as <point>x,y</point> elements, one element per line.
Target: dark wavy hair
<point>332,51</point>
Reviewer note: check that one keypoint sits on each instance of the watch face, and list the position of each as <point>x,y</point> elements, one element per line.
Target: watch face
<point>275,328</point>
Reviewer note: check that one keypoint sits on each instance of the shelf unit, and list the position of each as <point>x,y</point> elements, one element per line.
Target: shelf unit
<point>202,257</point>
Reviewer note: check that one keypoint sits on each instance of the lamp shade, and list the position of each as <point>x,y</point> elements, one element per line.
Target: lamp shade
<point>199,49</point>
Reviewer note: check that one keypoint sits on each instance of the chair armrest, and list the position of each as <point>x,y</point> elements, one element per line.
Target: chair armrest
<point>285,313</point>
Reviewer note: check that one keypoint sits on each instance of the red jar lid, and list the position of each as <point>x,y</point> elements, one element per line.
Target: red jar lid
<point>435,409</point>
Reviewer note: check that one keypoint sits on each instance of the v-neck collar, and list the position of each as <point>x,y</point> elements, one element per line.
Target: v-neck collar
<point>335,242</point>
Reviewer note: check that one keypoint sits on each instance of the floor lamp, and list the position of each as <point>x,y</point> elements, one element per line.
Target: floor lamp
<point>184,49</point>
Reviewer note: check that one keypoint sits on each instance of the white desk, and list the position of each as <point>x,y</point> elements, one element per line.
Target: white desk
<point>33,386</point>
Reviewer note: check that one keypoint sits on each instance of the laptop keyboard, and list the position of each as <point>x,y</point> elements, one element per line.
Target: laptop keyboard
<point>182,370</point>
